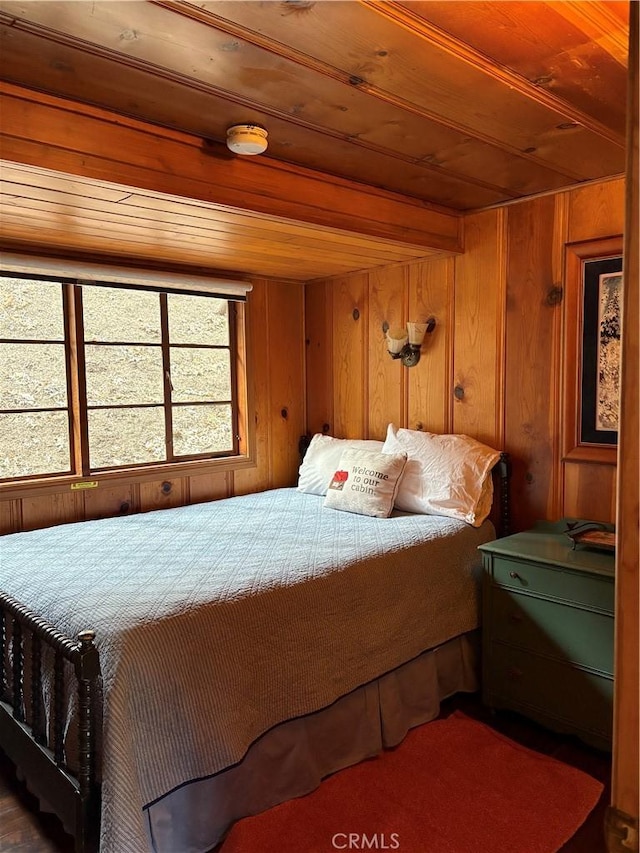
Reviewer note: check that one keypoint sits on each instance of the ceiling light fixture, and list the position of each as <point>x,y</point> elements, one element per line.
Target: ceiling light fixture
<point>247,139</point>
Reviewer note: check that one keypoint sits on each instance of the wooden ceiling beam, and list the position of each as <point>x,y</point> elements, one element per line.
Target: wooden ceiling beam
<point>53,133</point>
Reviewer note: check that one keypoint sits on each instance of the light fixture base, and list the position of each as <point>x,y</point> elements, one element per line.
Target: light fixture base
<point>409,354</point>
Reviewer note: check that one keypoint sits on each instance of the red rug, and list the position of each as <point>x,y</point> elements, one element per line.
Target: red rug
<point>452,786</point>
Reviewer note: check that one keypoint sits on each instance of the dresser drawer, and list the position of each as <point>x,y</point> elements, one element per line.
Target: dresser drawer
<point>521,680</point>
<point>590,590</point>
<point>550,628</point>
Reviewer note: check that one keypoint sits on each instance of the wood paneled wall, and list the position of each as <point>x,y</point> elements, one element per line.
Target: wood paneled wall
<point>492,368</point>
<point>274,322</point>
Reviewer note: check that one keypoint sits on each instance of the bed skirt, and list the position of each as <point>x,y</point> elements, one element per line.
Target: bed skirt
<point>291,759</point>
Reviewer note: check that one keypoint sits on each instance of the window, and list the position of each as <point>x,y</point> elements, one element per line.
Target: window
<point>99,377</point>
<point>34,395</point>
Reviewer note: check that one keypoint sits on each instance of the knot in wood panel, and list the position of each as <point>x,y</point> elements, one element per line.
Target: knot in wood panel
<point>554,295</point>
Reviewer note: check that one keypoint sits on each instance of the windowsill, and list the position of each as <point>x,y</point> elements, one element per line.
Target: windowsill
<point>168,471</point>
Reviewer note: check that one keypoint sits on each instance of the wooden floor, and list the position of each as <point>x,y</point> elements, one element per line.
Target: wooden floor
<point>22,830</point>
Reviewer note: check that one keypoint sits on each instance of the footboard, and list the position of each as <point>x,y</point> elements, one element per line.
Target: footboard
<point>31,735</point>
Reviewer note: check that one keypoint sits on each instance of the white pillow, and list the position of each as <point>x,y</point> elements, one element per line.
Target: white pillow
<point>445,474</point>
<point>323,458</point>
<point>485,501</point>
<point>366,482</point>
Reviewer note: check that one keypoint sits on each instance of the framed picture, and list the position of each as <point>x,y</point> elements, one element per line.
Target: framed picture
<point>592,349</point>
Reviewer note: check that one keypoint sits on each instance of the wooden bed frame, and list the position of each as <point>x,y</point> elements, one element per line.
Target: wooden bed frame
<point>37,749</point>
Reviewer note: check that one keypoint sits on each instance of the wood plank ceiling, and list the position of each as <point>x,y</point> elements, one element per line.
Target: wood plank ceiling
<point>460,105</point>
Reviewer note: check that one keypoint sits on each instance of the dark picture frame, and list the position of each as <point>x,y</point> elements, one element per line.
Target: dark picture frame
<point>600,368</point>
<point>593,284</point>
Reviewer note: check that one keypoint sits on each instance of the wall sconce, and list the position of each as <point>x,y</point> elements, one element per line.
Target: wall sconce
<point>406,343</point>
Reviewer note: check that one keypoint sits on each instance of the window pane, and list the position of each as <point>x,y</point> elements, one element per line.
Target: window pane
<point>32,376</point>
<point>198,320</point>
<point>123,375</point>
<point>126,437</point>
<point>202,429</point>
<point>31,310</point>
<point>200,374</point>
<point>115,314</point>
<point>34,443</point>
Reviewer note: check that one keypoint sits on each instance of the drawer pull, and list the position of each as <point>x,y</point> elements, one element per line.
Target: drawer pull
<point>514,673</point>
<point>515,576</point>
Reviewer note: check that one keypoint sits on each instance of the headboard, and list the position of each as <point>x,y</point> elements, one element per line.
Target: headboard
<point>501,512</point>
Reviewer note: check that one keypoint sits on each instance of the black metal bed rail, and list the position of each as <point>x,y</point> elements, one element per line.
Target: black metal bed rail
<point>36,749</point>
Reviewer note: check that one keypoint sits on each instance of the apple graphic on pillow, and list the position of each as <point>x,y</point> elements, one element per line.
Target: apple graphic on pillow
<point>339,479</point>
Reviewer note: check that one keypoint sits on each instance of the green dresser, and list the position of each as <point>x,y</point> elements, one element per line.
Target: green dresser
<point>548,628</point>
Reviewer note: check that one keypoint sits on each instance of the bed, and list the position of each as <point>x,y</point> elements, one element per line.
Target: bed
<point>238,652</point>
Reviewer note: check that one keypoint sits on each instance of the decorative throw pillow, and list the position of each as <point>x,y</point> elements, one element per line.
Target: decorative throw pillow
<point>445,474</point>
<point>366,482</point>
<point>322,459</point>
